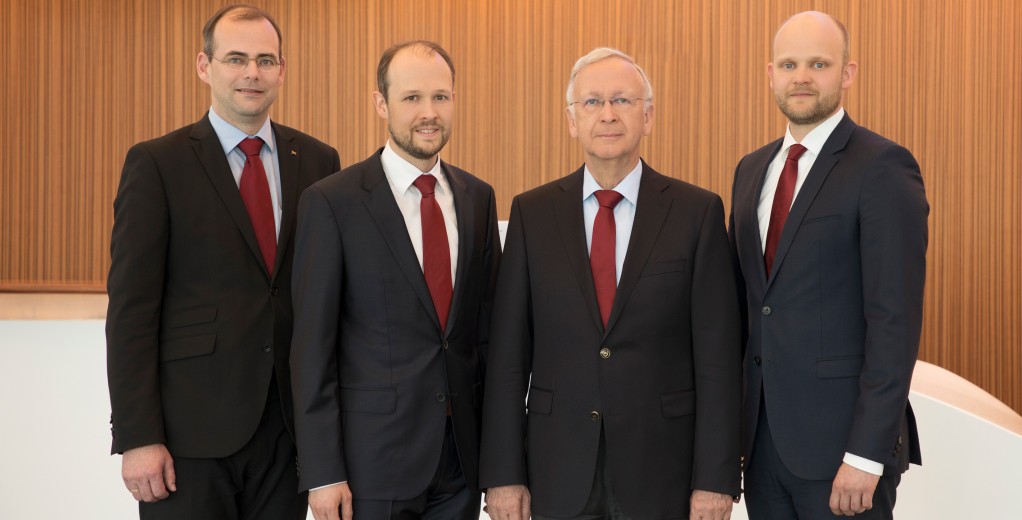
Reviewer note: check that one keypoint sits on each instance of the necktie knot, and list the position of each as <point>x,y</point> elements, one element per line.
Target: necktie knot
<point>251,146</point>
<point>426,185</point>
<point>608,198</point>
<point>796,151</point>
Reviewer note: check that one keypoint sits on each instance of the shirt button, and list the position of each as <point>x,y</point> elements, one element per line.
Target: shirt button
<point>757,361</point>
<point>273,291</point>
<point>604,352</point>
<point>445,345</point>
<point>266,348</point>
<point>767,310</point>
<point>440,397</point>
<point>594,415</point>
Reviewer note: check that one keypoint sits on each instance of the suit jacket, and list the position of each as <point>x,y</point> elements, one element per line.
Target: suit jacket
<point>662,381</point>
<point>373,372</point>
<point>833,332</point>
<point>196,326</point>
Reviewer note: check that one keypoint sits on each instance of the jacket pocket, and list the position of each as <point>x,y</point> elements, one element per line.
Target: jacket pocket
<point>540,401</point>
<point>669,266</point>
<point>845,366</point>
<point>182,348</point>
<point>382,400</point>
<point>678,404</point>
<point>192,316</point>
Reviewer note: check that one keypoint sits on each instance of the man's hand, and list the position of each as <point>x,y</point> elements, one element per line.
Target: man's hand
<point>331,502</point>
<point>853,491</point>
<point>508,503</point>
<point>707,505</point>
<point>148,472</point>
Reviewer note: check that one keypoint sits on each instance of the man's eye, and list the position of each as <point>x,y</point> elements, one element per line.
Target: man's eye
<point>412,98</point>
<point>620,101</point>
<point>819,65</point>
<point>788,66</point>
<point>236,60</point>
<point>266,62</point>
<point>440,97</point>
<point>591,102</point>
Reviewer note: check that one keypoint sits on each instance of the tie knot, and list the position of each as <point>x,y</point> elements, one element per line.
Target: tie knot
<point>796,151</point>
<point>251,146</point>
<point>426,184</point>
<point>608,198</point>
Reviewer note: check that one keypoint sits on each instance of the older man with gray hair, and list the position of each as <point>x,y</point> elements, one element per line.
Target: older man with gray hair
<point>616,315</point>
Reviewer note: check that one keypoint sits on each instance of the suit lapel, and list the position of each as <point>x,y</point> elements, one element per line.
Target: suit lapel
<point>571,226</point>
<point>650,212</point>
<point>384,211</point>
<point>750,219</point>
<point>811,187</point>
<point>288,165</point>
<point>211,155</point>
<point>464,210</point>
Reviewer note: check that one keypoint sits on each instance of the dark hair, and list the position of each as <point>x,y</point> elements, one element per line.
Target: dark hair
<point>431,48</point>
<point>240,12</point>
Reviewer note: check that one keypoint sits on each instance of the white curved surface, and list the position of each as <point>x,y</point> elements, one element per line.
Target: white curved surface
<point>55,410</point>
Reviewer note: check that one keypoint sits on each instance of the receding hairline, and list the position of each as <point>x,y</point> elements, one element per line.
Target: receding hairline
<point>845,38</point>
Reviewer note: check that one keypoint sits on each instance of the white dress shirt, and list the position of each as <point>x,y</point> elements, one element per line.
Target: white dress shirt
<point>624,212</point>
<point>400,175</point>
<point>230,137</point>
<point>813,141</point>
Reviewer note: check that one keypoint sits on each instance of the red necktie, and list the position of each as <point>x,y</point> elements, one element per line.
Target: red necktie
<point>436,253</point>
<point>255,193</point>
<point>782,203</point>
<point>601,252</point>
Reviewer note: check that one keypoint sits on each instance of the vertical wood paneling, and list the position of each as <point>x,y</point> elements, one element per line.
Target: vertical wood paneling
<point>87,79</point>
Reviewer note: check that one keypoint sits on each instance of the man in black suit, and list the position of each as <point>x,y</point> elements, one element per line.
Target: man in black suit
<point>395,264</point>
<point>615,297</point>
<point>199,323</point>
<point>828,226</point>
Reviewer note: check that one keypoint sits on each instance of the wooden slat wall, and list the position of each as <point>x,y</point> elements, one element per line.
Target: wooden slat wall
<point>87,78</point>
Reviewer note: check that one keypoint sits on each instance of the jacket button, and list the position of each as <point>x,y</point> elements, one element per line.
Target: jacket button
<point>445,345</point>
<point>604,352</point>
<point>440,397</point>
<point>273,291</point>
<point>757,361</point>
<point>767,310</point>
<point>594,415</point>
<point>266,348</point>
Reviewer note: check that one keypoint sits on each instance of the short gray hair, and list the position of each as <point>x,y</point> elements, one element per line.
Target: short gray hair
<point>600,54</point>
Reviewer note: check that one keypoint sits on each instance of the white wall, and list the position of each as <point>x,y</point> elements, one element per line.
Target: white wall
<point>55,413</point>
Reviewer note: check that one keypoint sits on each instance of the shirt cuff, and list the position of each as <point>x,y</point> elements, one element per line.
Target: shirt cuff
<point>329,485</point>
<point>866,465</point>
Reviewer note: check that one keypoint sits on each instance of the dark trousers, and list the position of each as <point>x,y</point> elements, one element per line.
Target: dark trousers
<point>447,497</point>
<point>602,504</point>
<point>774,493</point>
<point>259,482</point>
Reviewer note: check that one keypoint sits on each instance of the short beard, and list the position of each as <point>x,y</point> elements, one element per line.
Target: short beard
<point>824,108</point>
<point>418,152</point>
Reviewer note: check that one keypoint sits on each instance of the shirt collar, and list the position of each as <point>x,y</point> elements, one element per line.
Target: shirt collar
<point>628,187</point>
<point>403,173</point>
<point>230,136</point>
<point>817,137</point>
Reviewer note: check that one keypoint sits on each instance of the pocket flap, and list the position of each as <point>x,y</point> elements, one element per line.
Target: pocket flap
<point>678,403</point>
<point>182,348</point>
<point>540,401</point>
<point>382,400</point>
<point>669,266</point>
<point>193,316</point>
<point>846,366</point>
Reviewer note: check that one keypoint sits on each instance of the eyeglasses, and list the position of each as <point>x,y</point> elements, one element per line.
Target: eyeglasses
<point>240,63</point>
<point>619,104</point>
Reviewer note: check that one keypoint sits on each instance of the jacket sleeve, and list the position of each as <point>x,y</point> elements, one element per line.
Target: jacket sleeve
<point>138,250</point>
